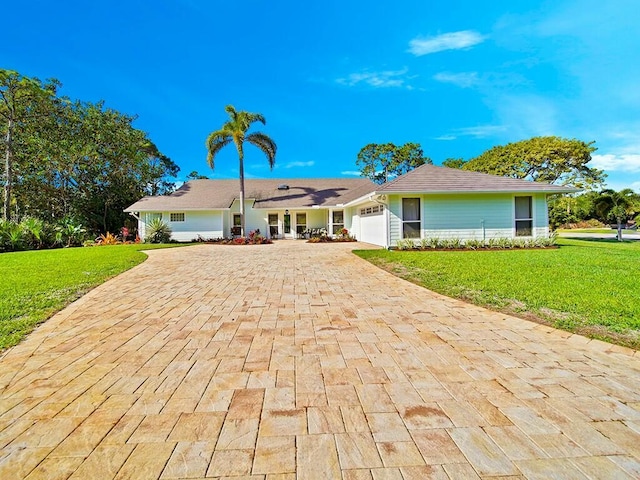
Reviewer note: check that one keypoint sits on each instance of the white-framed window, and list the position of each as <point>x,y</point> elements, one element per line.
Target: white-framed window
<point>375,210</point>
<point>337,219</point>
<point>524,216</point>
<point>410,218</point>
<point>273,225</point>
<point>153,216</point>
<point>236,220</point>
<point>301,223</point>
<point>176,217</point>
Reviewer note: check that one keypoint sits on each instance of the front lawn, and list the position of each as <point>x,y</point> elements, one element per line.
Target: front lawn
<point>36,284</point>
<point>585,286</point>
<point>613,231</point>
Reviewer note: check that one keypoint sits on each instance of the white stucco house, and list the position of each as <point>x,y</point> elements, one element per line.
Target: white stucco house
<point>427,202</point>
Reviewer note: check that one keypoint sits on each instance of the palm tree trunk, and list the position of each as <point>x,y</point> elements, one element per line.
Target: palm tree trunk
<point>241,157</point>
<point>8,170</point>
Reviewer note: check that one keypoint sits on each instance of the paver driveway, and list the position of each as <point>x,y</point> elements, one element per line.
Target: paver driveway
<point>303,361</point>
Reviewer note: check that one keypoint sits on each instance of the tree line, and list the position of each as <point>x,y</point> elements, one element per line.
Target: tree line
<point>71,160</point>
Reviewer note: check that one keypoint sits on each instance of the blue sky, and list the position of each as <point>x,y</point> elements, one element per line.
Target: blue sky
<point>458,77</point>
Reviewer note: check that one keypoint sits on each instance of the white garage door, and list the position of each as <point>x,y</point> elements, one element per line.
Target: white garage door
<point>372,225</point>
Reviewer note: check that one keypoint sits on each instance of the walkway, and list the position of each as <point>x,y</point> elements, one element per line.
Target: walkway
<point>303,361</point>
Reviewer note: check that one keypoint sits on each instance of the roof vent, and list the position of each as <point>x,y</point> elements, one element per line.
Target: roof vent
<point>283,187</point>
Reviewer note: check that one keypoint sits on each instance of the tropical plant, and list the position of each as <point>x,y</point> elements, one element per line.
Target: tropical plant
<point>157,232</point>
<point>35,231</point>
<point>108,239</point>
<point>618,206</point>
<point>235,130</point>
<point>69,233</point>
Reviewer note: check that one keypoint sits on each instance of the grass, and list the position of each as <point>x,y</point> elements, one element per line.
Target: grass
<point>589,287</point>
<point>613,231</point>
<point>36,284</point>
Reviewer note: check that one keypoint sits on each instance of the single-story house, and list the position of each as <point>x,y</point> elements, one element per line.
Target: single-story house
<point>429,201</point>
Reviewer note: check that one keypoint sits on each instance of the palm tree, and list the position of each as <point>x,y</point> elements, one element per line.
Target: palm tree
<point>235,130</point>
<point>617,206</point>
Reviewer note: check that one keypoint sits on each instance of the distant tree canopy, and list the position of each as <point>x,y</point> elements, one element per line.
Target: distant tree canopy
<point>620,207</point>
<point>73,159</point>
<point>541,159</point>
<point>194,175</point>
<point>380,162</point>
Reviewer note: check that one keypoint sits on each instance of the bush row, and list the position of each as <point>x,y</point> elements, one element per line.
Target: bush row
<point>33,233</point>
<point>435,243</point>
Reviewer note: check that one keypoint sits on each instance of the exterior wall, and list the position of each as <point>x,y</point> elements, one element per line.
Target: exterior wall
<point>208,224</point>
<point>472,216</point>
<point>317,218</point>
<point>540,216</point>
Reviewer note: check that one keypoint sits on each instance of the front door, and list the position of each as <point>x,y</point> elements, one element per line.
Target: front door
<point>287,224</point>
<point>274,230</point>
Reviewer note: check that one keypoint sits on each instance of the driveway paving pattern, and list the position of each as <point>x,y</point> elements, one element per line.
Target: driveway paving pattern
<point>302,361</point>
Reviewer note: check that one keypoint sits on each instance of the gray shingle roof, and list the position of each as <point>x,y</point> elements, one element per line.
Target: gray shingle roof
<point>433,179</point>
<point>217,194</point>
<point>327,192</point>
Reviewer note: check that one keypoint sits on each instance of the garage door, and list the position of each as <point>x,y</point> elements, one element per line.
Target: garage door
<point>372,225</point>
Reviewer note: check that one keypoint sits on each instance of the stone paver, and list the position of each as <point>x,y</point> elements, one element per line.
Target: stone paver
<point>303,361</point>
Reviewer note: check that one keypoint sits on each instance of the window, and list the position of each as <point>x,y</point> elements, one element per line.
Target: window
<point>176,217</point>
<point>236,229</point>
<point>524,216</point>
<point>273,225</point>
<point>153,216</point>
<point>301,223</point>
<point>338,221</point>
<point>410,218</point>
<point>364,212</point>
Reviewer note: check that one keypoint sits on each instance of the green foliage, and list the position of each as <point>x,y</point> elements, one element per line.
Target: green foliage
<point>618,206</point>
<point>235,130</point>
<point>75,159</point>
<point>70,233</point>
<point>194,175</point>
<point>379,162</point>
<point>36,284</point>
<point>454,163</point>
<point>584,286</point>
<point>157,231</point>
<point>433,243</point>
<point>21,106</point>
<point>542,159</point>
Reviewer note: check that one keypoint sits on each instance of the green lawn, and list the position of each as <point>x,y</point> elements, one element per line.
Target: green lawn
<point>36,284</point>
<point>594,230</point>
<point>585,286</point>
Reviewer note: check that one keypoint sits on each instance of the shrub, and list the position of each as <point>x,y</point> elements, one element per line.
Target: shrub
<point>158,232</point>
<point>107,239</point>
<point>474,244</point>
<point>68,233</point>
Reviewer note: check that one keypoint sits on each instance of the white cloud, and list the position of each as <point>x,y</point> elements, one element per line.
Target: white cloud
<point>447,41</point>
<point>310,163</point>
<point>384,79</point>
<point>446,137</point>
<point>355,173</point>
<point>629,163</point>
<point>481,131</point>
<point>463,80</point>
